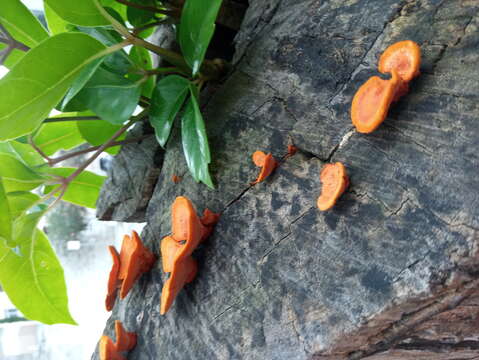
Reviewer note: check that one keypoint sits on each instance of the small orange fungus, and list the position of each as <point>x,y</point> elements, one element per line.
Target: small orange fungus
<point>335,181</point>
<point>134,259</point>
<point>125,341</point>
<point>404,57</point>
<point>267,164</point>
<point>371,102</point>
<point>188,230</point>
<point>176,179</point>
<point>112,279</point>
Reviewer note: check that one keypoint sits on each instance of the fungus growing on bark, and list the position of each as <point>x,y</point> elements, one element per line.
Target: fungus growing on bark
<point>188,230</point>
<point>371,102</point>
<point>112,279</point>
<point>135,259</point>
<point>404,57</point>
<point>176,179</point>
<point>335,181</point>
<point>125,341</point>
<point>267,164</point>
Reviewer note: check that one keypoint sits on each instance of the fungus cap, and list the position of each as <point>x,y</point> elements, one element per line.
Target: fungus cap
<point>112,279</point>
<point>267,164</point>
<point>404,57</point>
<point>169,251</point>
<point>334,181</point>
<point>372,100</point>
<point>125,340</point>
<point>108,350</point>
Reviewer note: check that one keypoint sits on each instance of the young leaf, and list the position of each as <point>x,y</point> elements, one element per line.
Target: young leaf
<point>58,136</point>
<point>195,141</point>
<point>167,99</point>
<point>28,94</point>
<point>22,25</point>
<point>5,214</point>
<point>197,26</point>
<point>83,190</point>
<point>97,132</point>
<point>33,279</point>
<point>17,176</point>
<point>20,201</point>
<point>142,59</point>
<point>56,24</point>
<point>83,12</point>
<point>110,96</point>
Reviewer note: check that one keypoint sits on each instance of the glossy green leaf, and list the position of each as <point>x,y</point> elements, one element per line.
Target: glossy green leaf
<point>98,132</point>
<point>115,5</point>
<point>23,152</point>
<point>33,279</point>
<point>83,12</point>
<point>28,95</point>
<point>139,17</point>
<point>80,82</point>
<point>5,214</point>
<point>22,25</point>
<point>20,201</point>
<point>110,96</point>
<point>83,190</point>
<point>167,99</point>
<point>196,29</point>
<point>142,59</point>
<point>56,24</point>
<point>58,136</point>
<point>17,176</point>
<point>195,142</point>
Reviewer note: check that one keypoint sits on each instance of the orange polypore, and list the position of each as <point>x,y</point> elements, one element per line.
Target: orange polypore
<point>125,341</point>
<point>404,57</point>
<point>267,164</point>
<point>371,102</point>
<point>176,179</point>
<point>183,272</point>
<point>335,181</point>
<point>135,259</point>
<point>187,232</point>
<point>112,279</point>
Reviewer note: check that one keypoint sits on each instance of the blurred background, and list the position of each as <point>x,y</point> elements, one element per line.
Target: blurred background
<point>80,242</point>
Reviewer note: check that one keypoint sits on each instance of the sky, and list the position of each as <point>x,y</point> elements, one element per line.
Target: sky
<point>34,4</point>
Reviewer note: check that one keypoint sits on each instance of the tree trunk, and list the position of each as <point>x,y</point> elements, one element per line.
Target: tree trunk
<point>391,272</point>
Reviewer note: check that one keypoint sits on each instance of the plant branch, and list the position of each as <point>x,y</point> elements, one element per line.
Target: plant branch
<point>59,159</point>
<point>38,150</point>
<point>70,118</point>
<point>139,29</point>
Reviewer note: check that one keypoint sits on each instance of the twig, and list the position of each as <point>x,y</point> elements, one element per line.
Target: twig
<point>70,118</point>
<point>139,29</point>
<point>59,159</point>
<point>38,150</point>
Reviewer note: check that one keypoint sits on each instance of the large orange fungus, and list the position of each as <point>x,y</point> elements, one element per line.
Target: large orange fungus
<point>112,279</point>
<point>335,181</point>
<point>188,230</point>
<point>266,162</point>
<point>125,341</point>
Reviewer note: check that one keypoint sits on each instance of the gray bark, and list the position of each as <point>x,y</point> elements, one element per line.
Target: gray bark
<point>391,271</point>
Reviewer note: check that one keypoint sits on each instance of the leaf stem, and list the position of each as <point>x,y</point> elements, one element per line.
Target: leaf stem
<point>38,150</point>
<point>59,159</point>
<point>70,118</point>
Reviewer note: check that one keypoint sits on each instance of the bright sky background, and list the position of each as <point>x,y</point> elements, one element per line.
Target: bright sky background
<point>34,4</point>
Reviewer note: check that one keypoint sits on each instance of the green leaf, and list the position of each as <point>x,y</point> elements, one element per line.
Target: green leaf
<point>38,82</point>
<point>21,24</point>
<point>80,82</point>
<point>58,136</point>
<point>5,214</point>
<point>167,99</point>
<point>195,141</point>
<point>142,59</point>
<point>115,5</point>
<point>56,24</point>
<point>17,176</point>
<point>98,132</point>
<point>197,26</point>
<point>20,201</point>
<point>110,96</point>
<point>139,17</point>
<point>83,12</point>
<point>23,152</point>
<point>83,190</point>
<point>33,279</point>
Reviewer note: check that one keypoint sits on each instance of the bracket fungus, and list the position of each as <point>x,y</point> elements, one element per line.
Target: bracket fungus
<point>335,181</point>
<point>188,230</point>
<point>134,259</point>
<point>404,57</point>
<point>125,341</point>
<point>267,164</point>
<point>371,102</point>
